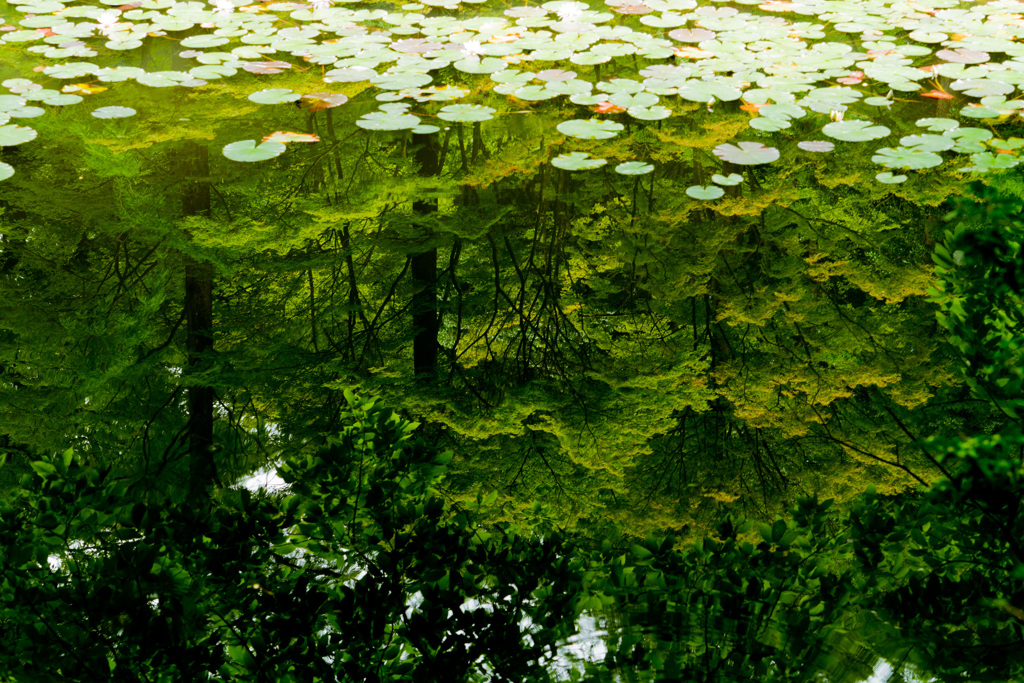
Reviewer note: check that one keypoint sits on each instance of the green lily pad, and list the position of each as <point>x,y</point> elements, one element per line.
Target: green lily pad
<point>113,112</point>
<point>388,120</point>
<point>928,143</point>
<point>15,135</point>
<point>727,180</point>
<point>705,192</point>
<point>649,113</point>
<point>634,168</point>
<point>248,151</point>
<point>594,129</point>
<point>903,157</point>
<point>938,125</point>
<point>983,162</point>
<point>62,100</point>
<point>747,153</point>
<point>6,171</point>
<point>465,113</point>
<point>274,96</point>
<point>25,112</point>
<point>855,131</point>
<point>577,161</point>
<point>890,179</point>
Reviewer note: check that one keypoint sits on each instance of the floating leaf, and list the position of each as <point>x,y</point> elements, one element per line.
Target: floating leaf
<point>634,168</point>
<point>466,113</point>
<point>274,96</point>
<point>15,135</point>
<point>747,153</point>
<point>855,131</point>
<point>284,137</point>
<point>705,191</point>
<point>316,101</point>
<point>385,120</point>
<point>727,180</point>
<point>902,157</point>
<point>113,112</point>
<point>246,150</point>
<point>816,145</point>
<point>272,67</point>
<point>594,129</point>
<point>577,161</point>
<point>649,113</point>
<point>928,143</point>
<point>889,178</point>
<point>937,125</point>
<point>6,171</point>
<point>983,162</point>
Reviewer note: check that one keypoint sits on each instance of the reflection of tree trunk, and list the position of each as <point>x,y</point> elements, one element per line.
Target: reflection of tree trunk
<point>199,316</point>
<point>425,320</point>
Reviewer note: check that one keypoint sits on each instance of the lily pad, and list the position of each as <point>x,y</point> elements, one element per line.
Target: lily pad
<point>727,180</point>
<point>890,179</point>
<point>466,113</point>
<point>747,153</point>
<point>938,125</point>
<point>113,112</point>
<point>855,131</point>
<point>903,157</point>
<point>577,161</point>
<point>634,168</point>
<point>388,120</point>
<point>983,162</point>
<point>248,151</point>
<point>705,192</point>
<point>594,129</point>
<point>15,135</point>
<point>274,96</point>
<point>928,143</point>
<point>6,171</point>
<point>816,146</point>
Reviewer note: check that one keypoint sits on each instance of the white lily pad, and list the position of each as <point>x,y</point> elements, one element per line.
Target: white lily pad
<point>727,180</point>
<point>15,135</point>
<point>466,113</point>
<point>705,192</point>
<point>6,171</point>
<point>855,131</point>
<point>577,161</point>
<point>594,129</point>
<point>747,153</point>
<point>816,145</point>
<point>649,113</point>
<point>113,112</point>
<point>386,120</point>
<point>249,151</point>
<point>634,168</point>
<point>274,96</point>
<point>890,179</point>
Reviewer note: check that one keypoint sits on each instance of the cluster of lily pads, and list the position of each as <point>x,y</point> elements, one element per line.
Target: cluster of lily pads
<point>633,60</point>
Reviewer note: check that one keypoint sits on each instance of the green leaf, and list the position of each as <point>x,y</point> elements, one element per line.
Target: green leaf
<point>248,151</point>
<point>43,469</point>
<point>640,552</point>
<point>778,530</point>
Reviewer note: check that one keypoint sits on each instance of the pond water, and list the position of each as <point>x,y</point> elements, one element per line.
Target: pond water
<point>647,262</point>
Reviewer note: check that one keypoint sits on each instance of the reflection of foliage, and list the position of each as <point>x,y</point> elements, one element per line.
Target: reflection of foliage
<point>359,574</point>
